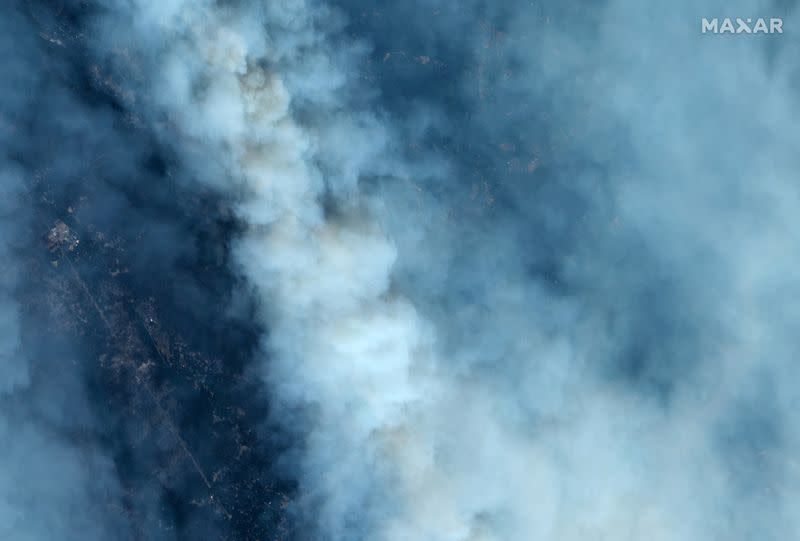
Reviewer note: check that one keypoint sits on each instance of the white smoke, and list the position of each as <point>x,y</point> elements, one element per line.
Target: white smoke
<point>342,344</point>
<point>405,438</point>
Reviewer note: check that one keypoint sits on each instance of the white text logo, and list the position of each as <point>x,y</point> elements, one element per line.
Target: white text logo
<point>773,25</point>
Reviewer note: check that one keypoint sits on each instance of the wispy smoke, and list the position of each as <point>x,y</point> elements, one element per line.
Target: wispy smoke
<point>600,312</point>
<point>54,484</point>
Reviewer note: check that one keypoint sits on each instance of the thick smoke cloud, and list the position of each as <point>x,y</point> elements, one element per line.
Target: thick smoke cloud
<point>520,271</point>
<point>324,270</point>
<point>526,296</point>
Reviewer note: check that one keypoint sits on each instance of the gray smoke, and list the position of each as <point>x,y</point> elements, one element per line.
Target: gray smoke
<point>607,319</point>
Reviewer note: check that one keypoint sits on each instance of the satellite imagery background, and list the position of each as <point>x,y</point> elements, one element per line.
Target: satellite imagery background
<point>398,271</point>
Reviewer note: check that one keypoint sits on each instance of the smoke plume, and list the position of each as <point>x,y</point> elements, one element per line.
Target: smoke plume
<point>505,272</point>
